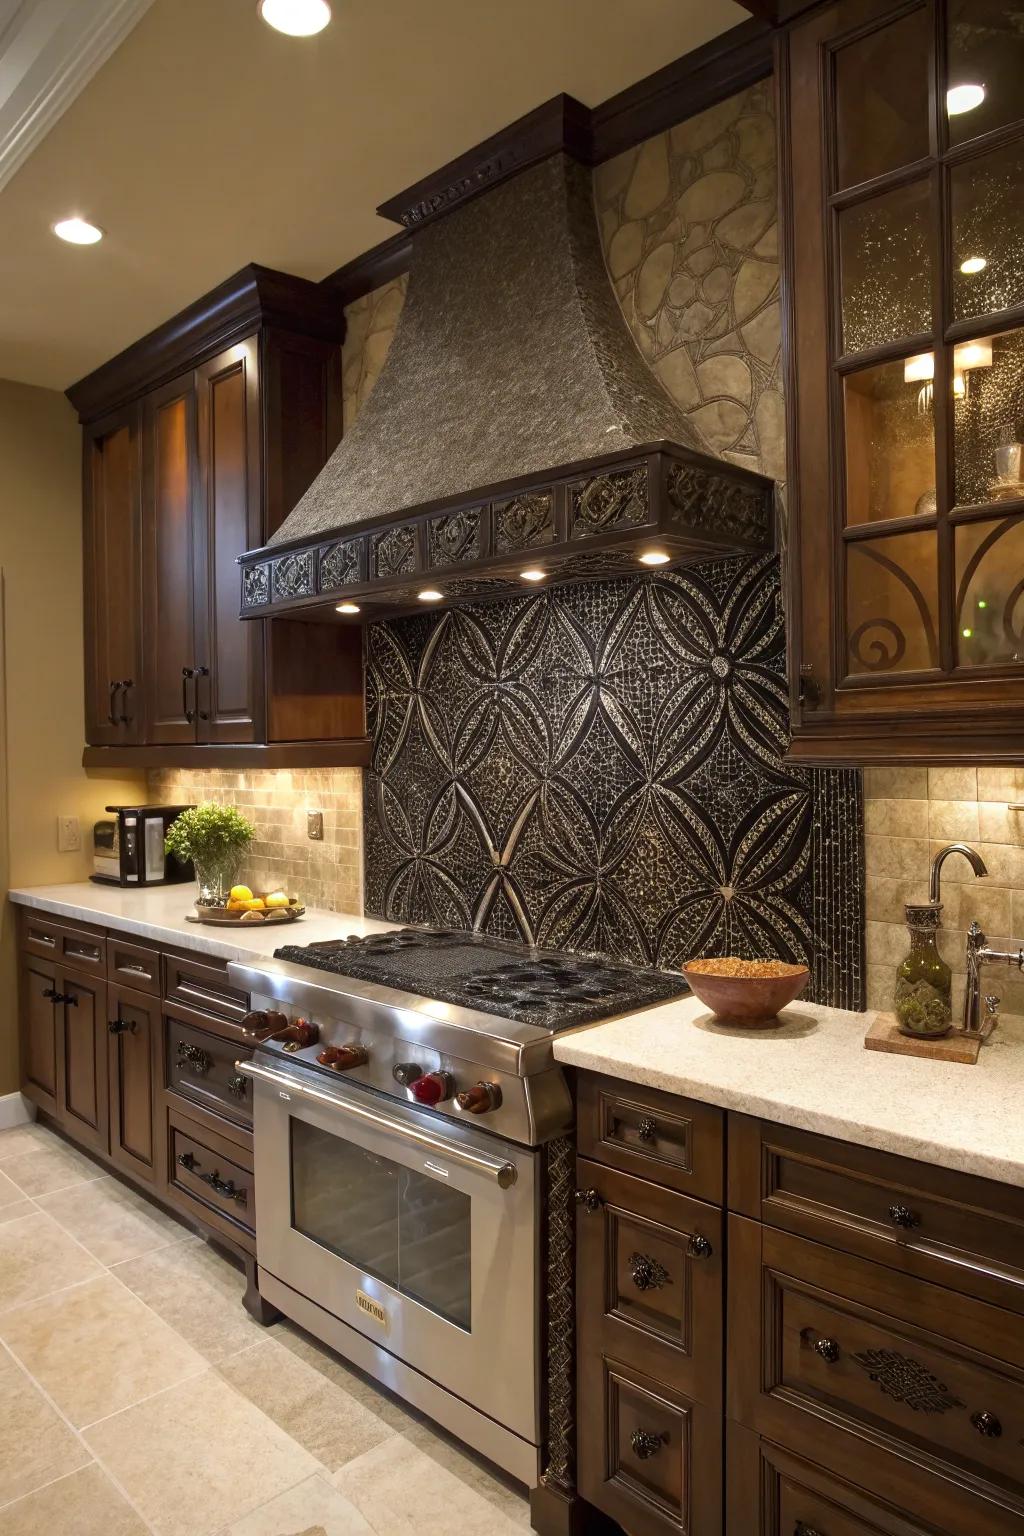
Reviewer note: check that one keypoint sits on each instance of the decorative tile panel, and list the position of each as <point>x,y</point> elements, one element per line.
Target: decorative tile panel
<point>293,575</point>
<point>454,538</point>
<point>523,522</point>
<point>255,586</point>
<point>340,565</point>
<point>701,499</point>
<point>393,552</point>
<point>607,502</point>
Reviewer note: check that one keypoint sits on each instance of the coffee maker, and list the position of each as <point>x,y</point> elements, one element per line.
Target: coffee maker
<point>128,847</point>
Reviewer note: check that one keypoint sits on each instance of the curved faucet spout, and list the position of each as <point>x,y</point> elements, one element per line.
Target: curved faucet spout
<point>975,860</point>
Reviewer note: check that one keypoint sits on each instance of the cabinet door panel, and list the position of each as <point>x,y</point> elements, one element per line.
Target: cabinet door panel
<point>82,1060</point>
<point>38,1017</point>
<point>112,571</point>
<point>168,546</point>
<point>228,521</point>
<point>132,1045</point>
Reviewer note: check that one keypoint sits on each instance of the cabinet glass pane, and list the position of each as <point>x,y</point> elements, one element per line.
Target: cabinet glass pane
<point>886,268</point>
<point>881,85</point>
<point>891,603</point>
<point>986,66</point>
<point>990,592</point>
<point>987,212</point>
<point>988,418</point>
<point>890,441</point>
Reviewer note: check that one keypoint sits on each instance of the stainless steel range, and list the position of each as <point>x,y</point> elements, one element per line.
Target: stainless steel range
<point>405,1088</point>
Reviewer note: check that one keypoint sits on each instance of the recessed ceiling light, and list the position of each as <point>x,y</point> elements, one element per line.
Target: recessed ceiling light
<point>298,18</point>
<point>77,231</point>
<point>973,264</point>
<point>430,595</point>
<point>347,608</point>
<point>655,557</point>
<point>964,98</point>
<point>533,574</point>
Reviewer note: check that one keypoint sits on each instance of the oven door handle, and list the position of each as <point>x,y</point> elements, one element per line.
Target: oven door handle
<point>504,1173</point>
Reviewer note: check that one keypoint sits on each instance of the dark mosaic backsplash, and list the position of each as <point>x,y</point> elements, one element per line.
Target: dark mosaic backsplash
<point>599,768</point>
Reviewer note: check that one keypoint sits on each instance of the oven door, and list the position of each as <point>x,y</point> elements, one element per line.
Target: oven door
<point>420,1233</point>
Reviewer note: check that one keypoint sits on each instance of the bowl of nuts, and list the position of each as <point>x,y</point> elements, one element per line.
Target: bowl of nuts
<point>747,992</point>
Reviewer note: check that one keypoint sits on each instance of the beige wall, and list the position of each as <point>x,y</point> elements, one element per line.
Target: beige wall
<point>42,726</point>
<point>909,814</point>
<point>325,874</point>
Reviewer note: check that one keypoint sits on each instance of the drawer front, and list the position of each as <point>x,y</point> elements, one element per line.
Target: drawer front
<point>200,1068</point>
<point>648,1456</point>
<point>935,1377</point>
<point>649,1287</point>
<point>78,947</point>
<point>658,1136</point>
<point>203,984</point>
<point>210,1181</point>
<point>959,1231</point>
<point>133,965</point>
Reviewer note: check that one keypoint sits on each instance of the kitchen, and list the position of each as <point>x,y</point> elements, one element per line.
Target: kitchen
<point>583,600</point>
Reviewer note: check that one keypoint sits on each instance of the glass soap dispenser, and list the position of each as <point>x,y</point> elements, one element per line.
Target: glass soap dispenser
<point>923,999</point>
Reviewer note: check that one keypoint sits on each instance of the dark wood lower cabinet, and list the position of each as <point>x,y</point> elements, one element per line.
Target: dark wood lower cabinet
<point>133,1044</point>
<point>37,987</point>
<point>82,1058</point>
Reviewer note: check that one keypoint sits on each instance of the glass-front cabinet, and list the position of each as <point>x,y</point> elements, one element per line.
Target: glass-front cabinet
<point>903,141</point>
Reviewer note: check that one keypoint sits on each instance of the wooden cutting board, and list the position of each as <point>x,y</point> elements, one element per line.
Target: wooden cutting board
<point>885,1035</point>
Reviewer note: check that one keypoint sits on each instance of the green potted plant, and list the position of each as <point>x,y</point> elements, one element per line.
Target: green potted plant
<point>215,838</point>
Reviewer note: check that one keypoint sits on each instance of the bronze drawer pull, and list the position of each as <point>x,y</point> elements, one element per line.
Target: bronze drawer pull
<point>197,1060</point>
<point>644,1443</point>
<point>590,1200</point>
<point>647,1129</point>
<point>828,1349</point>
<point>698,1247</point>
<point>903,1216</point>
<point>987,1424</point>
<point>646,1273</point>
<point>225,1187</point>
<point>238,1085</point>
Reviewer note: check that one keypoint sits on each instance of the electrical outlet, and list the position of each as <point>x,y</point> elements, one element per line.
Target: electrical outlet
<point>315,826</point>
<point>69,834</point>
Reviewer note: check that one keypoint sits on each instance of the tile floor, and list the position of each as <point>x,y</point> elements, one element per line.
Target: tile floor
<point>137,1396</point>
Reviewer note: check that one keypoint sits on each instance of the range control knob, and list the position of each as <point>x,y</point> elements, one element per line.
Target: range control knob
<point>432,1088</point>
<point>298,1034</point>
<point>342,1058</point>
<point>406,1072</point>
<point>479,1099</point>
<point>264,1022</point>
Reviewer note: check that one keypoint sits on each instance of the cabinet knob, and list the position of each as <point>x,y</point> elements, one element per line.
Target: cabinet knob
<point>828,1349</point>
<point>802,1529</point>
<point>118,1026</point>
<point>987,1424</point>
<point>902,1216</point>
<point>645,1443</point>
<point>646,1273</point>
<point>647,1129</point>
<point>195,1059</point>
<point>238,1086</point>
<point>590,1200</point>
<point>698,1247</point>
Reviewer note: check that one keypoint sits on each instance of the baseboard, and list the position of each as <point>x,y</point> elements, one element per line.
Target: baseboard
<point>15,1109</point>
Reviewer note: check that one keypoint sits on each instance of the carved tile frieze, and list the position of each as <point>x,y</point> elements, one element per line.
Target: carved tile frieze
<point>524,521</point>
<point>255,586</point>
<point>698,498</point>
<point>607,502</point>
<point>455,537</point>
<point>340,565</point>
<point>393,552</point>
<point>293,575</point>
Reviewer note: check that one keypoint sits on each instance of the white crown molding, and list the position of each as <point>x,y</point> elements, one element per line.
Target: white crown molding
<point>49,51</point>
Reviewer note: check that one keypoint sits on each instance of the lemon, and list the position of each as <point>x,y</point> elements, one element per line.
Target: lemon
<point>276,899</point>
<point>255,904</point>
<point>240,893</point>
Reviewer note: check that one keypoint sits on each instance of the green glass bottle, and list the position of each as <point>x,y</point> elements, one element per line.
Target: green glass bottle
<point>923,999</point>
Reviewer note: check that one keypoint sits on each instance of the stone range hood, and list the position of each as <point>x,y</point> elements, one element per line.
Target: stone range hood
<point>515,422</point>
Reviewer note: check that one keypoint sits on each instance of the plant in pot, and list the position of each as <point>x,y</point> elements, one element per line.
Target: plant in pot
<point>215,838</point>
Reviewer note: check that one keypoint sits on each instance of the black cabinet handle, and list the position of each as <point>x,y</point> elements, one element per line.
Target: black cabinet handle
<point>204,714</point>
<point>194,1058</point>
<point>828,1349</point>
<point>187,675</point>
<point>52,994</point>
<point>124,718</point>
<point>646,1273</point>
<point>987,1424</point>
<point>645,1443</point>
<point>111,716</point>
<point>225,1187</point>
<point>902,1216</point>
<point>698,1247</point>
<point>590,1200</point>
<point>118,1026</point>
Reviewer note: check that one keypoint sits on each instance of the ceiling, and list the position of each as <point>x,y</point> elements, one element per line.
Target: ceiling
<point>207,141</point>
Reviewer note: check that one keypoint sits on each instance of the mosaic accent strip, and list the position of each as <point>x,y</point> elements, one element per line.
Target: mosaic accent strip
<point>524,522</point>
<point>454,538</point>
<point>619,500</point>
<point>599,769</point>
<point>255,586</point>
<point>293,575</point>
<point>700,499</point>
<point>341,565</point>
<point>393,552</point>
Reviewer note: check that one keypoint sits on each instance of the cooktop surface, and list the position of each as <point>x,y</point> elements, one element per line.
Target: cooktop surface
<point>533,986</point>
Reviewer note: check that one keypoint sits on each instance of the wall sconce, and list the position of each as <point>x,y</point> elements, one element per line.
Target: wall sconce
<point>921,370</point>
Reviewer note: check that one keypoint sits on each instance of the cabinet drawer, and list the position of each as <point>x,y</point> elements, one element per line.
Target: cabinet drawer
<point>76,947</point>
<point>133,965</point>
<point>648,1456</point>
<point>203,984</point>
<point>953,1228</point>
<point>931,1376</point>
<point>209,1182</point>
<point>649,1286</point>
<point>675,1141</point>
<point>200,1067</point>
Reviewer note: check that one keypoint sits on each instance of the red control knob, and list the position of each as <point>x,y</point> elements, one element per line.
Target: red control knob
<point>298,1034</point>
<point>342,1058</point>
<point>432,1088</point>
<point>479,1099</point>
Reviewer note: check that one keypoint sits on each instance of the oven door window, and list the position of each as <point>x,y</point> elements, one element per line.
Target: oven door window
<point>393,1222</point>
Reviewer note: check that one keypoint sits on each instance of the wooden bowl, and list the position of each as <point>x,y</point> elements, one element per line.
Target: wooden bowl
<point>748,1000</point>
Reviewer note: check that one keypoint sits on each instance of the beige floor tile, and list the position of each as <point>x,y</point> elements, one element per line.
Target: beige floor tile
<point>85,1503</point>
<point>20,1208</point>
<point>492,1484</point>
<point>36,1445</point>
<point>198,1456</point>
<point>396,1414</point>
<point>113,1222</point>
<point>313,1508</point>
<point>25,1138</point>
<point>36,1258</point>
<point>317,1412</point>
<point>404,1492</point>
<point>199,1292</point>
<point>48,1167</point>
<point>9,1191</point>
<point>98,1351</point>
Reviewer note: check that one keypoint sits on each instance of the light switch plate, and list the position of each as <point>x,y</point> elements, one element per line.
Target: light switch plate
<point>69,834</point>
<point>315,826</point>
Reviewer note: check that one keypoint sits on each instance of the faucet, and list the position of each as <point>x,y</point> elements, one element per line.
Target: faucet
<point>975,860</point>
<point>979,954</point>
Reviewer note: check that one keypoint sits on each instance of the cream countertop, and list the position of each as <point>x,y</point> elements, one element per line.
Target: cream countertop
<point>157,913</point>
<point>813,1072</point>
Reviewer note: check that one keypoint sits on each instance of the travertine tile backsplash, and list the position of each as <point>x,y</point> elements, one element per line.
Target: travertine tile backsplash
<point>909,814</point>
<point>325,874</point>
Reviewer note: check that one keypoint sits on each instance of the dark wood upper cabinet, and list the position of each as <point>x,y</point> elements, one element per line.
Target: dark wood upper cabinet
<point>113,627</point>
<point>903,144</point>
<point>170,557</point>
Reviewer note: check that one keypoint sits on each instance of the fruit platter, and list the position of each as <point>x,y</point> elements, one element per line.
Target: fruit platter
<point>243,905</point>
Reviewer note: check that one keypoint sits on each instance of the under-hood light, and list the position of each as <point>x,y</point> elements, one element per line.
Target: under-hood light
<point>430,595</point>
<point>533,574</point>
<point>654,557</point>
<point>347,608</point>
